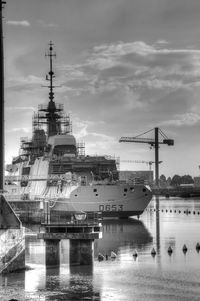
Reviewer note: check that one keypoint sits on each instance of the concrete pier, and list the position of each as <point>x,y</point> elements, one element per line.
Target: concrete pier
<point>81,234</point>
<point>81,252</point>
<point>52,258</point>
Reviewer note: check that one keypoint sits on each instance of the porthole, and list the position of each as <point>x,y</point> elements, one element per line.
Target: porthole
<point>144,190</point>
<point>125,189</point>
<point>95,190</point>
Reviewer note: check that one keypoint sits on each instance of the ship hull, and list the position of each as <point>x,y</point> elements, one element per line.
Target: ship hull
<point>113,201</point>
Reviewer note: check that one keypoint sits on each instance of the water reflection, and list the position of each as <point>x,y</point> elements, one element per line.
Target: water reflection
<point>145,278</point>
<point>70,283</point>
<point>158,224</point>
<point>119,235</point>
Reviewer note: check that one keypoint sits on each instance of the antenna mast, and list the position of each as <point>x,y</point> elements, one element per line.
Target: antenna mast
<point>1,100</point>
<point>50,54</point>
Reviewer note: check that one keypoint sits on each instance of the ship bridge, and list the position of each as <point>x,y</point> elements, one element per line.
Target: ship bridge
<point>62,145</point>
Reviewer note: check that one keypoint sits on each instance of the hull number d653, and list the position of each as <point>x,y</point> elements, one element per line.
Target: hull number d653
<point>110,207</point>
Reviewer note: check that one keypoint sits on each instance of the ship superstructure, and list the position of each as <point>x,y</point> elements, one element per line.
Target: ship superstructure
<point>52,166</point>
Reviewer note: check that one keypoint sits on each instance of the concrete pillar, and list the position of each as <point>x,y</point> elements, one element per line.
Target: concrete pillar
<point>52,252</point>
<point>81,252</point>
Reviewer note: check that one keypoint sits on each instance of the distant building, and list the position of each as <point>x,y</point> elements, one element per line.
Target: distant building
<point>146,176</point>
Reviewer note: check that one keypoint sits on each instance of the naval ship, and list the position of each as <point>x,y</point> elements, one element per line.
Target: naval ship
<point>53,167</point>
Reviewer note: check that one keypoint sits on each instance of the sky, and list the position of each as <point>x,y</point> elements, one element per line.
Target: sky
<point>124,67</point>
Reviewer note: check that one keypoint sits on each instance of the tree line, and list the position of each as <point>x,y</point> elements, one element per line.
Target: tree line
<point>176,180</point>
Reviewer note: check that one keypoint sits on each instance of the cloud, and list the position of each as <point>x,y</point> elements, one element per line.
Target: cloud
<point>26,130</point>
<point>44,24</point>
<point>136,64</point>
<point>24,23</point>
<point>22,83</point>
<point>13,108</point>
<point>187,119</point>
<point>134,83</point>
<point>161,42</point>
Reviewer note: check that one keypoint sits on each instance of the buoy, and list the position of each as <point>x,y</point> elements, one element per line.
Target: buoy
<point>135,254</point>
<point>184,249</point>
<point>197,247</point>
<point>170,251</point>
<point>153,252</point>
<point>113,255</point>
<point>101,257</point>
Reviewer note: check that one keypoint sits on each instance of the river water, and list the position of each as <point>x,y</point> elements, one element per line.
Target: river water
<point>166,222</point>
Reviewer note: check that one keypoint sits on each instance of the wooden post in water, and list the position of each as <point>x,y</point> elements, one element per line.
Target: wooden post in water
<point>157,157</point>
<point>1,101</point>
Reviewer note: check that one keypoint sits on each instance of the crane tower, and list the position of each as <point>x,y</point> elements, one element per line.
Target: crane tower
<point>159,138</point>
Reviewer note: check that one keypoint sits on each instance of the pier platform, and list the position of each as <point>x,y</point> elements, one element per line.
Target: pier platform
<point>80,228</point>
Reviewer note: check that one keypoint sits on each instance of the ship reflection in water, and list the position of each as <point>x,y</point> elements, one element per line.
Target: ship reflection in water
<point>162,277</point>
<point>122,236</point>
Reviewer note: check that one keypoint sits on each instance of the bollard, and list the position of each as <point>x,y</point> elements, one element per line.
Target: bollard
<point>198,247</point>
<point>100,257</point>
<point>170,251</point>
<point>184,249</point>
<point>153,252</point>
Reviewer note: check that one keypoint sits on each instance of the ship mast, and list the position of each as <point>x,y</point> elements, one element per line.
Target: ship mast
<point>50,54</point>
<point>53,117</point>
<point>1,100</point>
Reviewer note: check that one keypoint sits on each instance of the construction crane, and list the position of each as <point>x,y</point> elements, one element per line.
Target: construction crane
<point>159,138</point>
<point>141,161</point>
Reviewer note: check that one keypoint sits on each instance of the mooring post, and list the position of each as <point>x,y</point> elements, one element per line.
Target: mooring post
<point>52,252</point>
